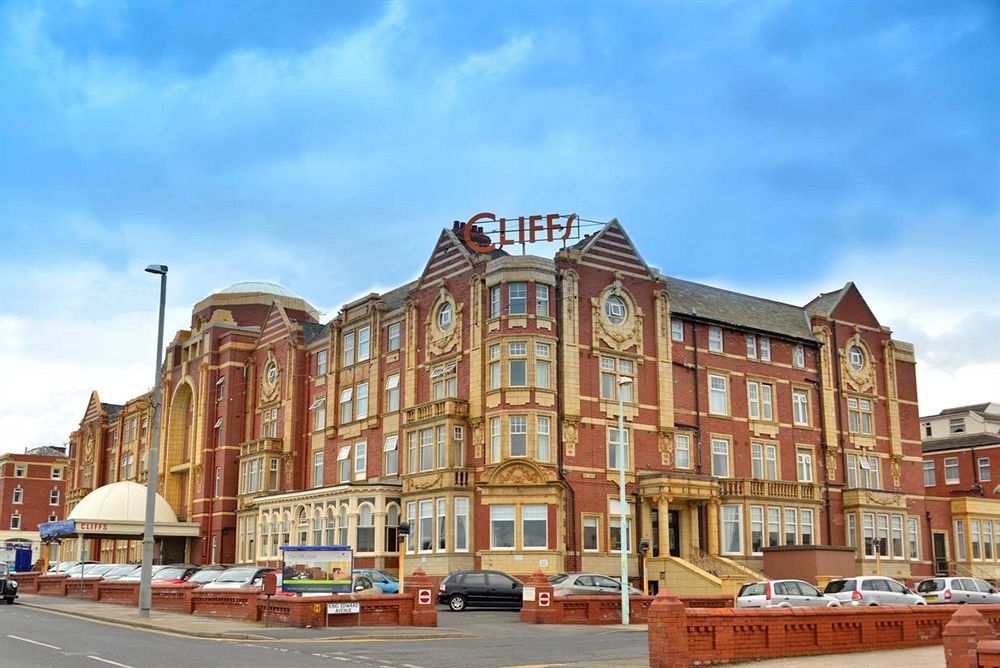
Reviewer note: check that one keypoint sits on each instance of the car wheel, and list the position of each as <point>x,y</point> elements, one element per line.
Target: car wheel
<point>10,600</point>
<point>457,603</point>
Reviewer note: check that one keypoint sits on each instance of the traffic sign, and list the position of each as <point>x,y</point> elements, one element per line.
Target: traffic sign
<point>424,597</point>
<point>543,599</point>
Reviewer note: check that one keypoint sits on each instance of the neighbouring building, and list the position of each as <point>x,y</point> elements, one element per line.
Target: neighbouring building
<point>32,492</point>
<point>961,450</point>
<point>480,402</point>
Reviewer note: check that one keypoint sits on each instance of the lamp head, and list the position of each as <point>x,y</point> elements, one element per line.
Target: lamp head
<point>160,269</point>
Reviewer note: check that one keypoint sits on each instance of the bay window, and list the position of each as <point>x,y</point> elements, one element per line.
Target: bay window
<point>426,537</point>
<point>732,529</point>
<point>534,525</point>
<point>518,435</point>
<point>542,434</point>
<point>461,524</point>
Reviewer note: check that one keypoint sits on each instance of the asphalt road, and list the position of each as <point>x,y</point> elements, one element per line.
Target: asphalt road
<point>32,638</point>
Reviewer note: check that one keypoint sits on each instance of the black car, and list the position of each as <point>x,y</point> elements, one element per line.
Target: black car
<point>480,589</point>
<point>8,586</point>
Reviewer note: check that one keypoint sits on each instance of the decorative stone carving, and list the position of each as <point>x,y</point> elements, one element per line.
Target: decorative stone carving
<point>625,335</point>
<point>832,455</point>
<point>666,441</point>
<point>197,476</point>
<point>423,483</point>
<point>518,475</point>
<point>440,341</point>
<point>476,426</point>
<point>269,378</point>
<point>863,379</point>
<point>569,435</point>
<point>896,466</point>
<point>286,465</point>
<point>883,498</point>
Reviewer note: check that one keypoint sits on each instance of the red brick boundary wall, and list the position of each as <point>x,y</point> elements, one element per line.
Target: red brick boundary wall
<point>681,637</point>
<point>544,608</point>
<point>303,611</point>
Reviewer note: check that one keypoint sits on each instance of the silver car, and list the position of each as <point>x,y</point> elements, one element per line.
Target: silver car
<point>783,594</point>
<point>240,577</point>
<point>91,571</point>
<point>957,590</point>
<point>871,590</point>
<point>588,584</point>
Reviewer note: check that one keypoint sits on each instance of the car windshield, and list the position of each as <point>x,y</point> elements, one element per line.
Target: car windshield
<point>936,584</point>
<point>237,575</point>
<point>170,574</point>
<point>202,577</point>
<point>97,569</point>
<point>837,586</point>
<point>559,579</point>
<point>120,570</point>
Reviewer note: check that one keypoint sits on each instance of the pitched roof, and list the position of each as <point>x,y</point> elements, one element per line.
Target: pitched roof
<point>827,301</point>
<point>960,442</point>
<point>734,308</point>
<point>111,409</point>
<point>396,297</point>
<point>974,408</point>
<point>311,331</point>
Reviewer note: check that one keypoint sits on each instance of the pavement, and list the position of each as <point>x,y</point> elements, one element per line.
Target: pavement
<point>197,626</point>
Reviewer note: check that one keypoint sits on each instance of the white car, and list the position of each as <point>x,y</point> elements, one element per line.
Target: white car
<point>783,594</point>
<point>868,590</point>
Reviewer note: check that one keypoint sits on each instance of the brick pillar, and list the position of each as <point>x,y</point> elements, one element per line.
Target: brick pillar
<point>542,607</point>
<point>419,586</point>
<point>961,637</point>
<point>668,645</point>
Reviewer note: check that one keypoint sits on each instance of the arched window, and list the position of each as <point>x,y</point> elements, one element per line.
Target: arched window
<point>275,534</point>
<point>303,523</point>
<point>391,525</point>
<point>286,529</point>
<point>366,529</point>
<point>331,526</point>
<point>342,526</point>
<point>317,527</point>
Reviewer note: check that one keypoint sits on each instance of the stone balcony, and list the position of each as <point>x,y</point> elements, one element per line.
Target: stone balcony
<point>434,410</point>
<point>260,446</point>
<point>755,488</point>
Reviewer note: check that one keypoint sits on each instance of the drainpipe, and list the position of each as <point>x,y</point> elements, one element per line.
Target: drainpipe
<point>697,398</point>
<point>571,543</point>
<point>823,450</point>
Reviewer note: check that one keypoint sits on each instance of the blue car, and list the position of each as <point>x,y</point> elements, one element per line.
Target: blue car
<point>383,581</point>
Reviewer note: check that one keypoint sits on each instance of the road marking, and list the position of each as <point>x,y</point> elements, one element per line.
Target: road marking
<point>34,642</point>
<point>113,663</point>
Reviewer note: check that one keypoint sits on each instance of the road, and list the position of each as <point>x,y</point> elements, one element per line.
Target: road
<point>33,638</point>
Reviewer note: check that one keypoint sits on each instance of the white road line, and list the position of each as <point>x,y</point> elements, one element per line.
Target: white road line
<point>113,663</point>
<point>34,642</point>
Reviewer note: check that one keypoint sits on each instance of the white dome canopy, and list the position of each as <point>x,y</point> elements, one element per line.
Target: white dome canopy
<point>121,502</point>
<point>257,286</point>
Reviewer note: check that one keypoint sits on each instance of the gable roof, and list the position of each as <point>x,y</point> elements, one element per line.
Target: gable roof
<point>312,331</point>
<point>960,441</point>
<point>450,256</point>
<point>396,298</point>
<point>828,302</point>
<point>610,248</point>
<point>734,308</point>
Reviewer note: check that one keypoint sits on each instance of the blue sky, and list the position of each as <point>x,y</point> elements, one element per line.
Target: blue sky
<point>777,148</point>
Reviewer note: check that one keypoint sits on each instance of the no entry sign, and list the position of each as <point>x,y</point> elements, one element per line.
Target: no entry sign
<point>543,599</point>
<point>424,596</point>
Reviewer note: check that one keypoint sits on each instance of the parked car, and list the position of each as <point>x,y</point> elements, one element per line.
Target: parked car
<point>206,574</point>
<point>240,577</point>
<point>175,574</point>
<point>463,589</point>
<point>8,586</point>
<point>91,570</point>
<point>871,590</point>
<point>385,582</point>
<point>957,590</point>
<point>119,571</point>
<point>136,573</point>
<point>64,566</point>
<point>588,584</point>
<point>783,594</point>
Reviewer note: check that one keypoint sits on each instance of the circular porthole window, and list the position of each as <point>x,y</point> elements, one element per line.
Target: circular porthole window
<point>856,358</point>
<point>615,309</point>
<point>271,373</point>
<point>445,317</point>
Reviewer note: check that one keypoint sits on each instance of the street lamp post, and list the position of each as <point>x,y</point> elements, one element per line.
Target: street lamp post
<point>152,462</point>
<point>623,535</point>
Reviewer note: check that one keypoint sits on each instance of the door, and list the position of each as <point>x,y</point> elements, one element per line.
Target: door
<point>475,588</point>
<point>810,596</point>
<point>940,554</point>
<point>674,532</point>
<point>503,590</point>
